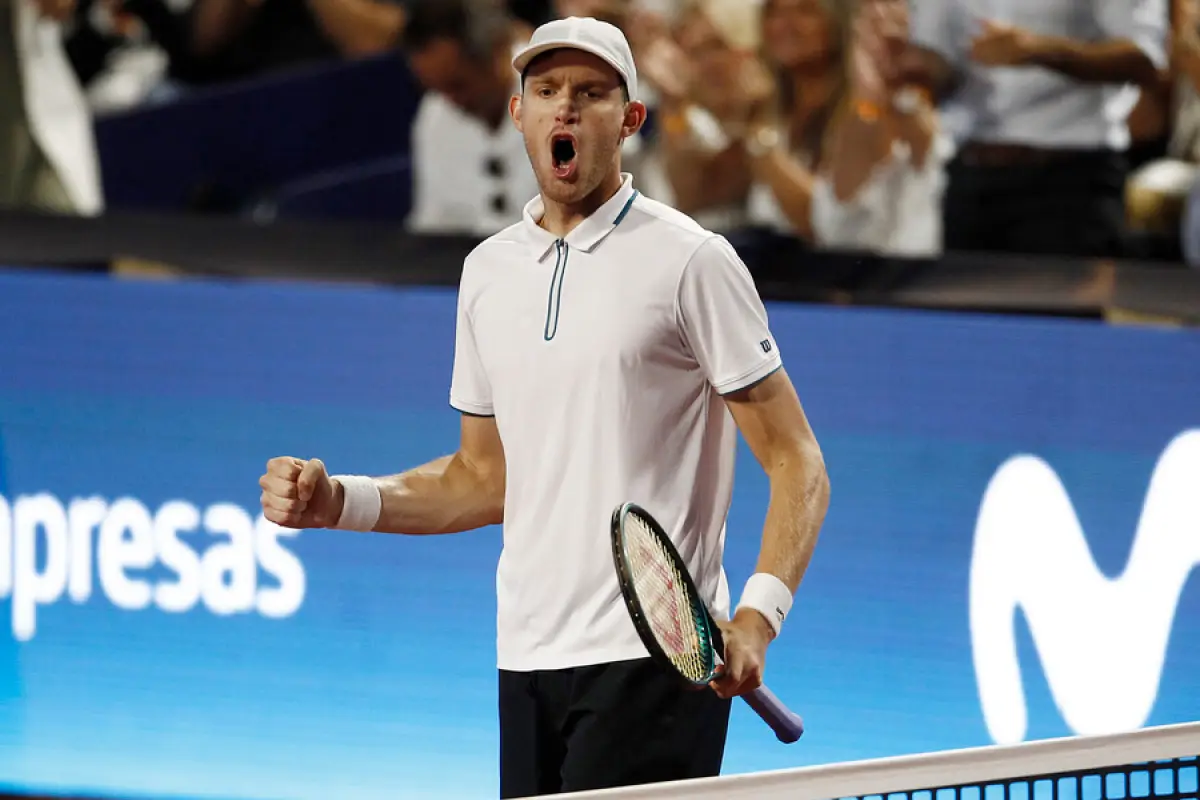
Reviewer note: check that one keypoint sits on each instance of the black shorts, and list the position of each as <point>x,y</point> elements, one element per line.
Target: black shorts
<point>596,727</point>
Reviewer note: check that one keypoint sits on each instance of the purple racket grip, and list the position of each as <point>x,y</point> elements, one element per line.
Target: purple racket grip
<point>787,725</point>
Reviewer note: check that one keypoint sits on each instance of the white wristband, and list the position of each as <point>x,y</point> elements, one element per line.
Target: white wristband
<point>769,596</point>
<point>362,503</point>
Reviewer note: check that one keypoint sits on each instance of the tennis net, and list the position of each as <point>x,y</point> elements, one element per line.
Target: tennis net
<point>1158,763</point>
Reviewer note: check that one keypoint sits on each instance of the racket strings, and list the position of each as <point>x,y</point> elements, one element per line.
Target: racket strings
<point>668,606</point>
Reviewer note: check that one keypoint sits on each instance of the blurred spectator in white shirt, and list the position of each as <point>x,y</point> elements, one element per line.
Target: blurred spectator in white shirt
<point>471,173</point>
<point>875,175</point>
<point>1040,96</point>
<point>48,155</point>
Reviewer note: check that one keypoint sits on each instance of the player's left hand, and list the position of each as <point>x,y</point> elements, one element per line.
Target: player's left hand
<point>746,638</point>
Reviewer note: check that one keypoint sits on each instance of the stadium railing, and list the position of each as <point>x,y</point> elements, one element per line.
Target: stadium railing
<point>382,253</point>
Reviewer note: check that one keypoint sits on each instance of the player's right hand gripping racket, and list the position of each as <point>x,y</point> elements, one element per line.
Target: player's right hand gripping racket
<point>670,615</point>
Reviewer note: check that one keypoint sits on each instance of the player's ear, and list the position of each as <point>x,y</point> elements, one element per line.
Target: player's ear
<point>514,111</point>
<point>635,118</point>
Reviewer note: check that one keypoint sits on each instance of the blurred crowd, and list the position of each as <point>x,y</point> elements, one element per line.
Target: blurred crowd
<point>899,127</point>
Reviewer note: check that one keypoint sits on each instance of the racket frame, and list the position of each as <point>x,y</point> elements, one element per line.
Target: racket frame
<point>707,626</point>
<point>787,725</point>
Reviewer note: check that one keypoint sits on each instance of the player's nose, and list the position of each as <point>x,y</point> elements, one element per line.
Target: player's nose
<point>566,112</point>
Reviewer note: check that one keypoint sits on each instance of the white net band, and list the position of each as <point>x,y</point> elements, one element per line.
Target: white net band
<point>1154,763</point>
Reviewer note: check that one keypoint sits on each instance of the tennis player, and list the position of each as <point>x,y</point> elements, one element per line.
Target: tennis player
<point>608,349</point>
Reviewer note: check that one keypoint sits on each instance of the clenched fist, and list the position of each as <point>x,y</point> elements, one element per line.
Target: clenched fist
<point>300,494</point>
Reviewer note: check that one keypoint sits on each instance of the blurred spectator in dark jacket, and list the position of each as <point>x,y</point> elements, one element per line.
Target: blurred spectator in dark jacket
<point>217,41</point>
<point>614,11</point>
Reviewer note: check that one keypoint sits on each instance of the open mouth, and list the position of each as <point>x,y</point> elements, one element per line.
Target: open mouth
<point>562,151</point>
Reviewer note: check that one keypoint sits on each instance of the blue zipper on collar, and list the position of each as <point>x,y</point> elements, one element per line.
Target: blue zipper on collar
<point>554,303</point>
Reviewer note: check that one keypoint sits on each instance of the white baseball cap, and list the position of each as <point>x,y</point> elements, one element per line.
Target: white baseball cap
<point>601,39</point>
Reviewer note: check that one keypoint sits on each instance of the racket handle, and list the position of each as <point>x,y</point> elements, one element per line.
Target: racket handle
<point>787,725</point>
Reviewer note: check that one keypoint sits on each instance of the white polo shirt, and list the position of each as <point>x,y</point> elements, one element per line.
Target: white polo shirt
<point>1033,105</point>
<point>468,179</point>
<point>603,357</point>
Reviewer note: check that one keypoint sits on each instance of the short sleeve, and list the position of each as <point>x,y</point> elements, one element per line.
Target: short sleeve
<point>470,391</point>
<point>723,320</point>
<point>1144,22</point>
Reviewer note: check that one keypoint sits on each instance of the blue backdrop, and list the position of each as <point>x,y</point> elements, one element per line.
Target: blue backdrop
<point>160,638</point>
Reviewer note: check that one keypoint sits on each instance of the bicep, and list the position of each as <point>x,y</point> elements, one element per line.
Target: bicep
<point>1145,23</point>
<point>773,423</point>
<point>481,449</point>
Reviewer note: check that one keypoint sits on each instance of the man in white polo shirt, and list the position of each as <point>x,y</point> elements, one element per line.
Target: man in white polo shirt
<point>608,349</point>
<point>1040,93</point>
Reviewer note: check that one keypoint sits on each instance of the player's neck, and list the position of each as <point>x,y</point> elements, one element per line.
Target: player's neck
<point>562,218</point>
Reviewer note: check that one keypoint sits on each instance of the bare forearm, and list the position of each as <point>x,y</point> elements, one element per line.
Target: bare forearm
<point>701,179</point>
<point>861,144</point>
<point>360,27</point>
<point>685,172</point>
<point>919,130</point>
<point>708,181</point>
<point>792,186</point>
<point>799,500</point>
<point>1111,61</point>
<point>444,496</point>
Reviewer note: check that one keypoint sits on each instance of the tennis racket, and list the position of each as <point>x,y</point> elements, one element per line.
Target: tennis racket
<point>670,616</point>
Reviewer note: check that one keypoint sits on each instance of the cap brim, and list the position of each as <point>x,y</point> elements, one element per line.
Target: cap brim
<point>529,54</point>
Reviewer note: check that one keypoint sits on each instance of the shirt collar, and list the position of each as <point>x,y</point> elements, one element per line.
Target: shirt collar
<point>587,234</point>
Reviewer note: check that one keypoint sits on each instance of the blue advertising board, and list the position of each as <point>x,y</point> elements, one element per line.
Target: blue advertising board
<point>1015,521</point>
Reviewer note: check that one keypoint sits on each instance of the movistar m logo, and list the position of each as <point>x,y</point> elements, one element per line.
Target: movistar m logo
<point>1101,641</point>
